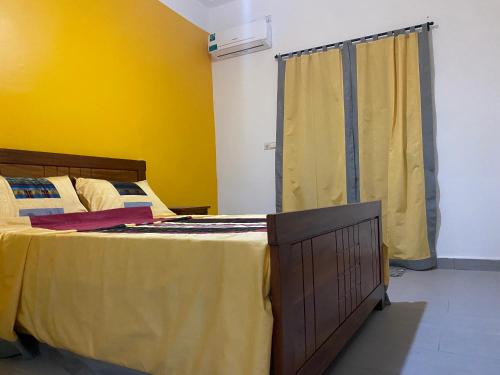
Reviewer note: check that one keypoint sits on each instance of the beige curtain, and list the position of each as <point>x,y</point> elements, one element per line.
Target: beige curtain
<point>314,172</point>
<point>391,161</point>
<point>362,116</point>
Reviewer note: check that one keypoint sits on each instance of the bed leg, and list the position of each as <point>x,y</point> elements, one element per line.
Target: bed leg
<point>380,305</point>
<point>384,301</point>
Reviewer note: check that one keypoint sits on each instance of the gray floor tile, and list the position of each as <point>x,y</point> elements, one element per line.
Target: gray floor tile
<point>48,363</point>
<point>440,322</point>
<point>470,343</point>
<point>440,363</point>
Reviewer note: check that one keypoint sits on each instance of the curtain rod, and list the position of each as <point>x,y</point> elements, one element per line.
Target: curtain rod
<point>326,46</point>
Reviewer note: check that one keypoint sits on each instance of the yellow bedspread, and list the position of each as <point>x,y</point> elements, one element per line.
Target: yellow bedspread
<point>162,304</point>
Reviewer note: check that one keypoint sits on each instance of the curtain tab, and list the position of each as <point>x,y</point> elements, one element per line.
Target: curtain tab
<point>346,45</point>
<point>426,28</point>
<point>399,32</point>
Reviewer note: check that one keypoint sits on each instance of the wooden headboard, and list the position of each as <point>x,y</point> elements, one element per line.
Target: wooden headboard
<point>19,163</point>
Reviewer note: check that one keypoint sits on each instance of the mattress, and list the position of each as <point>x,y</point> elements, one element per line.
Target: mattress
<point>187,296</point>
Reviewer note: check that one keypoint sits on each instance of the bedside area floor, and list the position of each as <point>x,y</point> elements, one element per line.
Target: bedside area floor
<point>440,322</point>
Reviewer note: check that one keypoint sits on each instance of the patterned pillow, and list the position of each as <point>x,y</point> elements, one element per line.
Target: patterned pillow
<point>23,196</point>
<point>98,195</point>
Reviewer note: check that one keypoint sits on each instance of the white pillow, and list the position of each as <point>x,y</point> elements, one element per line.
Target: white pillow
<point>25,196</point>
<point>98,195</point>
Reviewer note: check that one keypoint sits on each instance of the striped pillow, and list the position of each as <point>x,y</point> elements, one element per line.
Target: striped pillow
<point>25,196</point>
<point>98,195</point>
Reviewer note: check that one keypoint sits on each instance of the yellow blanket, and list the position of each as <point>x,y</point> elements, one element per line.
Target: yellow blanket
<point>162,304</point>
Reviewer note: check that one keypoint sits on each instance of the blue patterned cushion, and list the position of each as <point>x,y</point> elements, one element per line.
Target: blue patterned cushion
<point>32,188</point>
<point>128,188</point>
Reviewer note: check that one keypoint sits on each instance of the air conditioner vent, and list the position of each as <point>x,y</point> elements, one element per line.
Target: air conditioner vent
<point>241,40</point>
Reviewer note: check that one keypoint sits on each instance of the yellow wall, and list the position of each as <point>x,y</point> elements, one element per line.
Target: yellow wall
<point>117,78</point>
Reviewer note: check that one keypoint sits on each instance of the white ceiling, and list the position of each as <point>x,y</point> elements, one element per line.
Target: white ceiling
<point>196,11</point>
<point>192,10</point>
<point>214,3</point>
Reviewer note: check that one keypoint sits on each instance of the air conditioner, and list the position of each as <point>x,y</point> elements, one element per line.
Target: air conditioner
<point>241,40</point>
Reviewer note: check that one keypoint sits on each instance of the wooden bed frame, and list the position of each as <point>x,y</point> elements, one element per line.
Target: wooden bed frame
<point>326,264</point>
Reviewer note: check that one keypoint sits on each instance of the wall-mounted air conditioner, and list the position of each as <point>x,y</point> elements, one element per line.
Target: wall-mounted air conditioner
<point>241,40</point>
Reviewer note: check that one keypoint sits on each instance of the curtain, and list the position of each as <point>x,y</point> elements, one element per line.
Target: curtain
<point>356,124</point>
<point>313,145</point>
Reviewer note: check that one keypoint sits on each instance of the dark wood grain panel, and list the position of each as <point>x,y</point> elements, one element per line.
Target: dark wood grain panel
<point>312,223</point>
<point>378,252</point>
<point>296,301</point>
<point>309,297</point>
<point>87,173</point>
<point>75,172</point>
<point>330,349</point>
<point>9,156</point>
<point>325,286</point>
<point>19,170</point>
<point>374,229</point>
<point>63,171</point>
<point>280,351</point>
<point>342,241</point>
<point>372,244</point>
<point>141,174</point>
<point>114,175</point>
<point>352,267</point>
<point>190,210</point>
<point>340,276</point>
<point>50,171</point>
<point>347,271</point>
<point>20,163</point>
<point>357,270</point>
<point>366,261</point>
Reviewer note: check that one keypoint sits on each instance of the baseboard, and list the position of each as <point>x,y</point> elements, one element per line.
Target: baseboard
<point>469,264</point>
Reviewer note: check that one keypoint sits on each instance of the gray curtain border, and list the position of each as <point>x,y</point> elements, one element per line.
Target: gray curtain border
<point>429,149</point>
<point>280,119</point>
<point>354,124</point>
<point>350,121</point>
<point>428,140</point>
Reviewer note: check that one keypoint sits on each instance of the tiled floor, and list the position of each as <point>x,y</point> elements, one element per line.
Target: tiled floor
<point>441,322</point>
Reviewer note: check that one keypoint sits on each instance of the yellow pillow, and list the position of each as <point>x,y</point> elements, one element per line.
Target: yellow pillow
<point>23,196</point>
<point>98,195</point>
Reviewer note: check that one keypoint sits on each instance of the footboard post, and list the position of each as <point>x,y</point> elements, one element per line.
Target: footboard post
<point>326,278</point>
<point>380,305</point>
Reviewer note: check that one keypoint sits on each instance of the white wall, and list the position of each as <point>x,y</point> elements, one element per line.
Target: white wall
<point>192,10</point>
<point>467,91</point>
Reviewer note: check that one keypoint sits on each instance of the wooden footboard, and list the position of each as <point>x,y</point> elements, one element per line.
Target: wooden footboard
<point>326,278</point>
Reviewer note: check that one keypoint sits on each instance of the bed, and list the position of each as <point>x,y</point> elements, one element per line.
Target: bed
<point>326,265</point>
